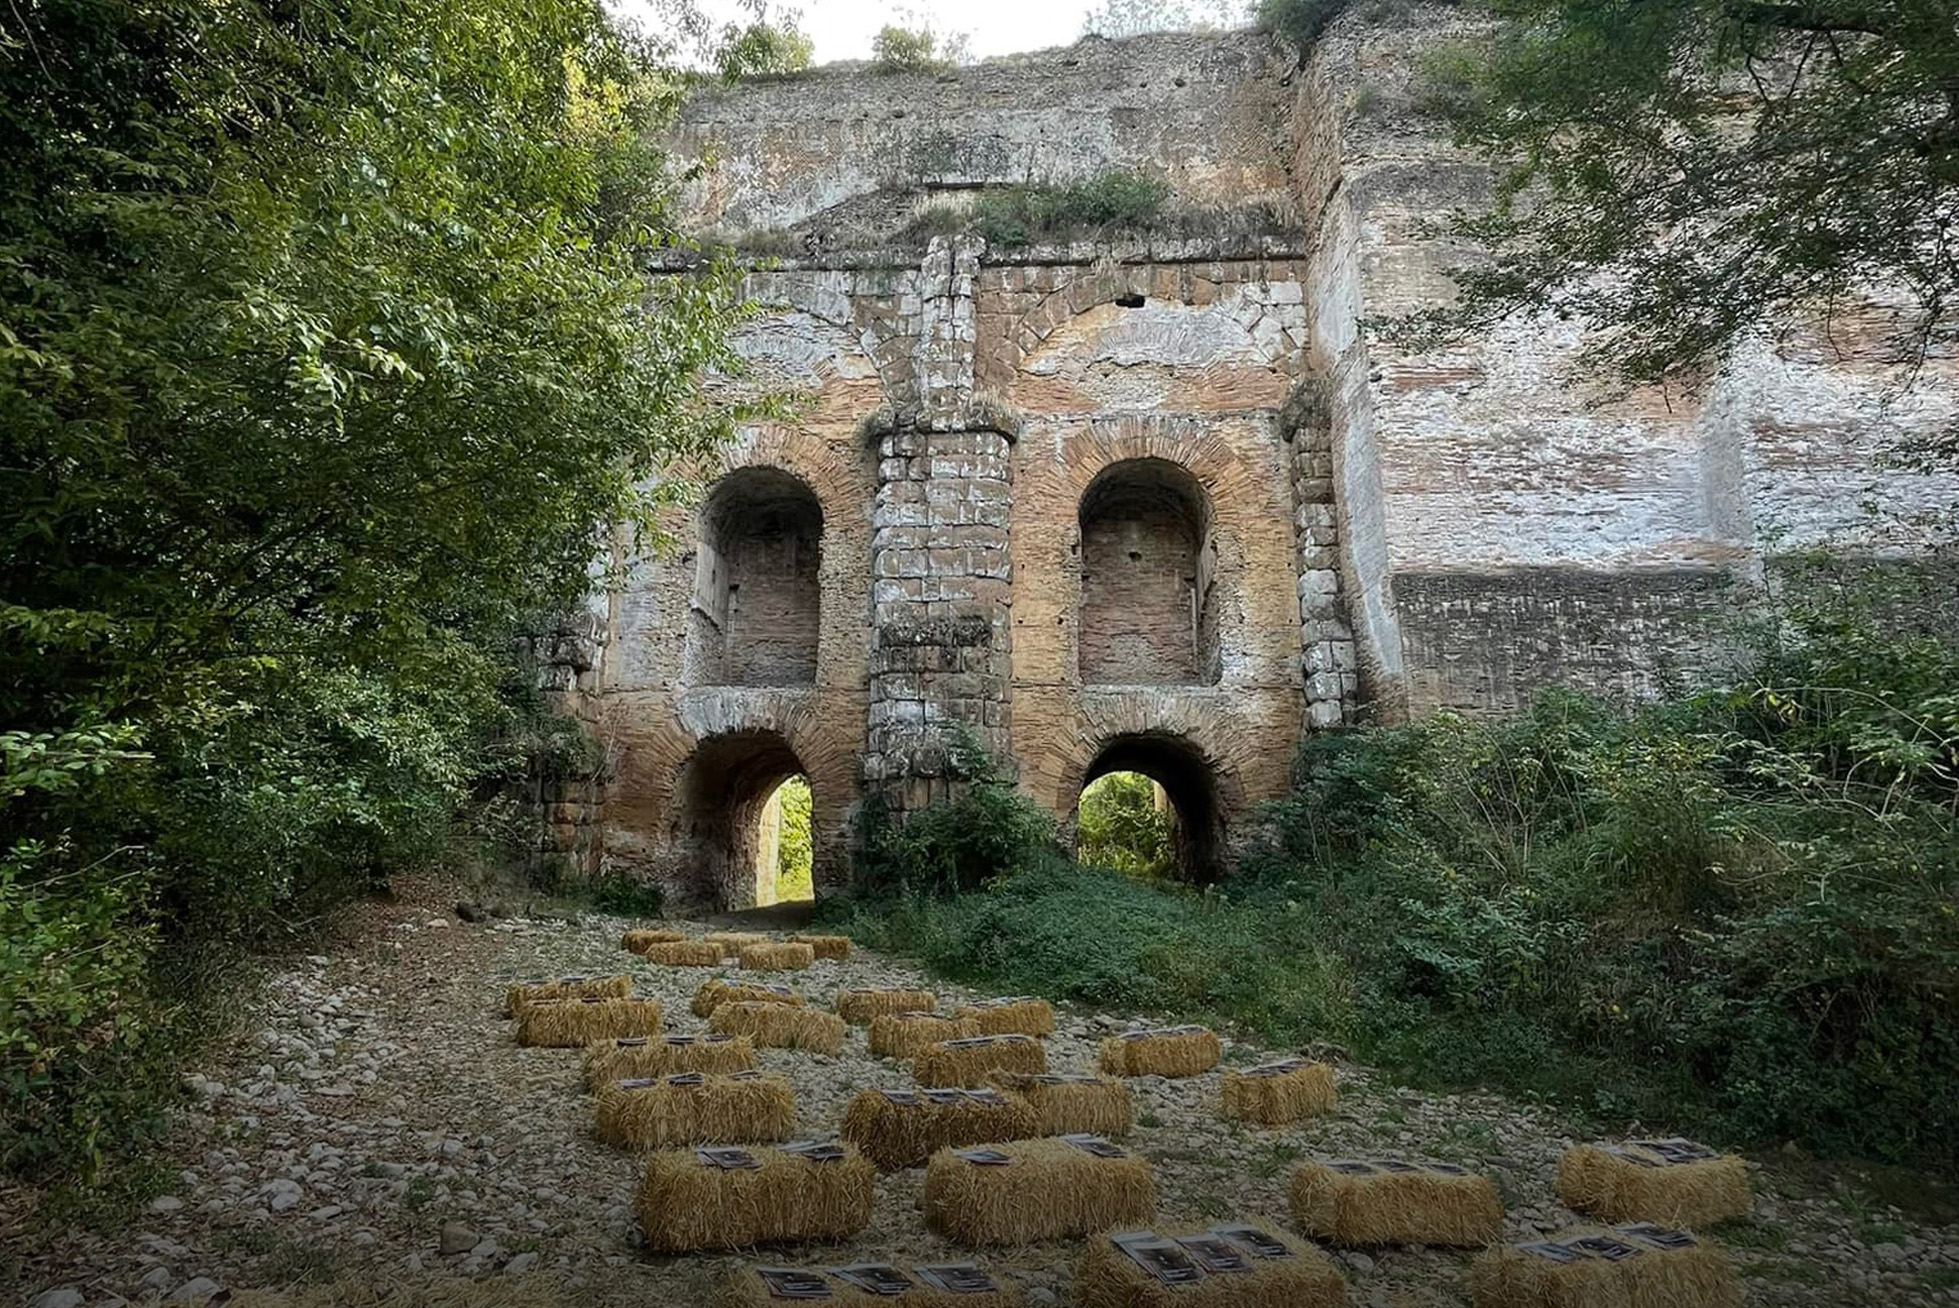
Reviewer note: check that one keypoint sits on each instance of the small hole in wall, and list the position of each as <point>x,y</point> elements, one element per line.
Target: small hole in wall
<point>1129,301</point>
<point>1135,556</point>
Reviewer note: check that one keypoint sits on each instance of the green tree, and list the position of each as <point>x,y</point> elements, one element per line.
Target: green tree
<point>326,347</point>
<point>1681,174</point>
<point>917,49</point>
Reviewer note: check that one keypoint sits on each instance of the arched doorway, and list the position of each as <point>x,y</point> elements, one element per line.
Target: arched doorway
<point>1148,572</point>
<point>756,608</point>
<point>1160,777</point>
<point>742,803</point>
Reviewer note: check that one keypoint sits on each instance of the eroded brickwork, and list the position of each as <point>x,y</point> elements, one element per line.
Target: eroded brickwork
<point>1151,502</point>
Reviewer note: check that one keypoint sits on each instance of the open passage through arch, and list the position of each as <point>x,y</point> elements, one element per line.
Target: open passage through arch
<point>735,808</point>
<point>1195,814</point>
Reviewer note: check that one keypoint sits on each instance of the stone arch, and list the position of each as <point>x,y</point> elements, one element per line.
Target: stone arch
<point>755,616</point>
<point>716,814</point>
<point>821,296</point>
<point>1202,794</point>
<point>1147,614</point>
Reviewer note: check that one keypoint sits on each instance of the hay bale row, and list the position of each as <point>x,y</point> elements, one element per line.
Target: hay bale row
<point>865,1285</point>
<point>1171,1051</point>
<point>636,940</point>
<point>897,1129</point>
<point>683,953</point>
<point>634,1057</point>
<point>1230,1266</point>
<point>1675,1182</point>
<point>732,1198</point>
<point>575,1023</point>
<point>781,1026</point>
<point>1012,1015</point>
<point>907,1035</point>
<point>693,1108</point>
<point>831,947</point>
<point>1638,1266</point>
<point>1388,1201</point>
<point>715,992</point>
<point>564,987</point>
<point>776,958</point>
<point>859,1007</point>
<point>731,943</point>
<point>973,1060</point>
<point>1071,1103</point>
<point>1030,1190</point>
<point>1272,1095</point>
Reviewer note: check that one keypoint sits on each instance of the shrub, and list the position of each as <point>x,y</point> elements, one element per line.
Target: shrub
<point>1120,827</point>
<point>990,830</point>
<point>1110,201</point>
<point>916,49</point>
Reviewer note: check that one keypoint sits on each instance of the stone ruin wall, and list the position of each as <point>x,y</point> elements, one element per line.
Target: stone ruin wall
<point>1161,503</point>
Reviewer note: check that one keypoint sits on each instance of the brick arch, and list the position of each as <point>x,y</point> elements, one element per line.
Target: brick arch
<point>877,335</point>
<point>730,750</point>
<point>1108,283</point>
<point>1180,744</point>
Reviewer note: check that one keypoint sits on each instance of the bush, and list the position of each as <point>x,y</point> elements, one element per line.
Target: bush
<point>990,830</point>
<point>1119,827</point>
<point>1736,912</point>
<point>1110,201</point>
<point>915,50</point>
<point>794,851</point>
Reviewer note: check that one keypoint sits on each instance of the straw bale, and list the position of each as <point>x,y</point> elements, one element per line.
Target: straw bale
<point>716,991</point>
<point>776,958</point>
<point>897,1129</point>
<point>607,1061</point>
<point>1233,1265</point>
<point>636,940</point>
<point>565,987</point>
<point>694,1199</point>
<point>683,953</point>
<point>972,1060</point>
<point>692,1108</point>
<point>732,943</point>
<point>907,1035</point>
<point>859,1007</point>
<point>1065,1104</point>
<point>833,947</point>
<point>1031,1190</point>
<point>575,1023</point>
<point>1636,1266</point>
<point>950,1285</point>
<point>1277,1093</point>
<point>1387,1201</point>
<point>1171,1051</point>
<point>1674,1182</point>
<point>781,1026</point>
<point>1012,1015</point>
<point>396,1291</point>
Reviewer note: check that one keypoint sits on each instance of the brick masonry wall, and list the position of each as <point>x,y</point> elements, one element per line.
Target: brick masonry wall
<point>1376,534</point>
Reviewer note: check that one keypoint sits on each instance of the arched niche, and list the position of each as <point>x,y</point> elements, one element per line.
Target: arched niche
<point>756,609</point>
<point>1148,615</point>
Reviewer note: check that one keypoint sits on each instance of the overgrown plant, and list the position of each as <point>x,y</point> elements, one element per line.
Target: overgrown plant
<point>1113,201</point>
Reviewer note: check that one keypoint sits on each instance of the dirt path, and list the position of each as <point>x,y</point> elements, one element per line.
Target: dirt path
<point>377,1121</point>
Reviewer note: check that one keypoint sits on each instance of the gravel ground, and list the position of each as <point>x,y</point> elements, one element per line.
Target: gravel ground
<point>375,1121</point>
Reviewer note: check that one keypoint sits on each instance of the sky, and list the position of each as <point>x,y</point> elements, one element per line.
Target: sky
<point>842,29</point>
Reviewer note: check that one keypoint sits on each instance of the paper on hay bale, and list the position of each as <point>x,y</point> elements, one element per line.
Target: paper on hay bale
<point>627,1059</point>
<point>974,1059</point>
<point>897,1129</point>
<point>1169,1051</point>
<point>862,1285</point>
<point>575,1023</point>
<point>1232,1265</point>
<point>693,1108</point>
<point>1029,1190</point>
<point>775,958</point>
<point>683,953</point>
<point>1065,1103</point>
<point>1388,1201</point>
<point>638,938</point>
<point>781,1026</point>
<point>729,1197</point>
<point>1674,1182</point>
<point>1010,1015</point>
<point>1642,1265</point>
<point>907,1035</point>
<point>715,991</point>
<point>860,1007</point>
<point>731,943</point>
<point>831,947</point>
<point>564,987</point>
<point>1274,1094</point>
<point>396,1291</point>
